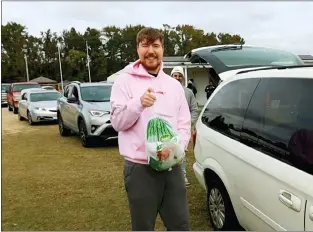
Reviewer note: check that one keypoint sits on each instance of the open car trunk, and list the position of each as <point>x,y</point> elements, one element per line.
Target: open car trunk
<point>227,60</point>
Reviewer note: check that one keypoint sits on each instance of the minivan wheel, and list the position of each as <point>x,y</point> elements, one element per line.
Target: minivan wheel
<point>63,131</point>
<point>83,134</point>
<point>220,208</point>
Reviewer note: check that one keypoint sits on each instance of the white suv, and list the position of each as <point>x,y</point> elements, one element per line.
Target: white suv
<point>254,150</point>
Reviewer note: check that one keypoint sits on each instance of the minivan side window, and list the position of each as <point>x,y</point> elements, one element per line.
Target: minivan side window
<point>226,110</point>
<point>279,121</point>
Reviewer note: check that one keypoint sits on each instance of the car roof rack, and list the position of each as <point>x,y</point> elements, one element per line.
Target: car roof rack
<point>277,67</point>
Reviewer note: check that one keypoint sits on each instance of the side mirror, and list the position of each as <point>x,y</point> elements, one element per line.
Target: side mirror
<point>72,100</point>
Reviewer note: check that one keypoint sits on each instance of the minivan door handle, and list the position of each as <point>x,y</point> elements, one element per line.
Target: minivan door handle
<point>291,201</point>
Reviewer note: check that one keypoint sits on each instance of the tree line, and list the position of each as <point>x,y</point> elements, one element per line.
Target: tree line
<point>111,49</point>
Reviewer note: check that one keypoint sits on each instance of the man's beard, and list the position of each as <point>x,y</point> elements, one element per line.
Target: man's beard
<point>156,64</point>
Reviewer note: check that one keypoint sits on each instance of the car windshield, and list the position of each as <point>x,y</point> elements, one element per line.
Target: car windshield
<point>5,88</point>
<point>20,87</point>
<point>49,96</point>
<point>99,93</point>
<point>256,56</point>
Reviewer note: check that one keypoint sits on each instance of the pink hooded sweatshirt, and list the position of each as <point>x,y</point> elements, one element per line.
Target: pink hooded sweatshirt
<point>130,118</point>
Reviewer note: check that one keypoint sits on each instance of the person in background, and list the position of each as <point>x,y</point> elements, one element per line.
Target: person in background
<point>194,83</point>
<point>192,87</point>
<point>178,74</point>
<point>149,191</point>
<point>209,89</point>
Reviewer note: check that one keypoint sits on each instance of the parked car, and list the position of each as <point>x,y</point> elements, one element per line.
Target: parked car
<point>85,109</point>
<point>38,105</point>
<point>4,92</point>
<point>15,93</point>
<point>254,150</point>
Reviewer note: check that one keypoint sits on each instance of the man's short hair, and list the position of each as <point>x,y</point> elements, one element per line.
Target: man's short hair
<point>150,34</point>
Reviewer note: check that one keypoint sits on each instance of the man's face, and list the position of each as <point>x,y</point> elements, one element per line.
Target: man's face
<point>178,76</point>
<point>150,54</point>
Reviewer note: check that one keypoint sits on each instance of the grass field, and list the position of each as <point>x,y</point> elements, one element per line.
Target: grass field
<point>53,183</point>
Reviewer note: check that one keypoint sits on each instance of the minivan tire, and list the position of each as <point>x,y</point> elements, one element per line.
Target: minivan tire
<point>216,190</point>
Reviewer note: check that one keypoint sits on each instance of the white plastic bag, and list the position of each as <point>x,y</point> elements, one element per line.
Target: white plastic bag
<point>164,148</point>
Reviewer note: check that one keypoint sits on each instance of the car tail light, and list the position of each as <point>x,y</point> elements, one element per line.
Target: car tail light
<point>194,137</point>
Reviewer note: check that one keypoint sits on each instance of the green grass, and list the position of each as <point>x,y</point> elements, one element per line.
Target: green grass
<point>53,183</point>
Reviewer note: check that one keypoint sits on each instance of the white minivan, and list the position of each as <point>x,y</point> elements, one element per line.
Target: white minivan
<point>254,150</point>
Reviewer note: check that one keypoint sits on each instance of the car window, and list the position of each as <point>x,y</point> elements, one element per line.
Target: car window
<point>24,96</point>
<point>98,93</point>
<point>74,93</point>
<point>226,111</point>
<point>279,121</point>
<point>257,56</point>
<point>67,90</point>
<point>48,96</point>
<point>5,88</point>
<point>20,87</point>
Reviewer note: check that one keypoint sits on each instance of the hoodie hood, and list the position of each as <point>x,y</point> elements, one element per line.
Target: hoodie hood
<point>137,69</point>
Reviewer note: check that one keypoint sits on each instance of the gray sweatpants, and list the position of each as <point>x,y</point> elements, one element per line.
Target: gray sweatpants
<point>151,192</point>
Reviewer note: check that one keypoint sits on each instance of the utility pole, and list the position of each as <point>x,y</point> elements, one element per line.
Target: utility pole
<point>25,58</point>
<point>59,48</point>
<point>88,60</point>
<point>26,64</point>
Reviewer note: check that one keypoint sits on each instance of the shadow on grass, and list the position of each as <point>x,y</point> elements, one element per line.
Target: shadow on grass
<point>99,142</point>
<point>105,143</point>
<point>45,123</point>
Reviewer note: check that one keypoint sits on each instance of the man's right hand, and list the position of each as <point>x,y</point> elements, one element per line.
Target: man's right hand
<point>147,99</point>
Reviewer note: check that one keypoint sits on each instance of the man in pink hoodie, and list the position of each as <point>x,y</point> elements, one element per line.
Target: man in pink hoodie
<point>133,94</point>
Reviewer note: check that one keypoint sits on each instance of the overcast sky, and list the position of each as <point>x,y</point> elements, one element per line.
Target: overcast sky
<point>285,25</point>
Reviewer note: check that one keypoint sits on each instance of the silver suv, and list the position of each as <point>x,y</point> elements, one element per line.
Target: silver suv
<point>85,109</point>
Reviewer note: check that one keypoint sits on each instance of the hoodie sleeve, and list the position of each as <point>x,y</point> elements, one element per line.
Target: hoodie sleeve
<point>125,111</point>
<point>184,120</point>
